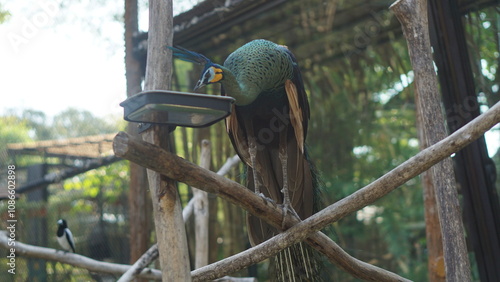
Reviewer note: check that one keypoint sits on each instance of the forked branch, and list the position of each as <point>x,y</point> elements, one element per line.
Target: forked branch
<point>174,167</point>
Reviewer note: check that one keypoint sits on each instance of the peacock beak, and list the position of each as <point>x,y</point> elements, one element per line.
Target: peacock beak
<point>199,85</point>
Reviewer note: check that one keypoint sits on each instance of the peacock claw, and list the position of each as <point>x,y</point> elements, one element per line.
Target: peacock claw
<point>265,197</point>
<point>287,208</point>
<point>285,212</point>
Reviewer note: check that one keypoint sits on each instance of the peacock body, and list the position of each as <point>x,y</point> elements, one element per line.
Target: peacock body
<point>268,129</point>
<point>259,67</point>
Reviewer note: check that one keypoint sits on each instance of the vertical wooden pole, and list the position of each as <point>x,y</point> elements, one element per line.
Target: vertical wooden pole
<point>169,225</point>
<point>139,205</point>
<point>201,211</point>
<point>474,168</point>
<point>413,17</point>
<point>435,257</point>
<point>436,271</point>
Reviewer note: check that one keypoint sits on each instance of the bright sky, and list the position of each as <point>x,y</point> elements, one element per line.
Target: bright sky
<point>50,67</point>
<point>53,58</point>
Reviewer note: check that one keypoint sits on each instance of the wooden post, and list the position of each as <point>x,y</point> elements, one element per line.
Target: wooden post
<point>413,17</point>
<point>474,168</point>
<point>201,209</point>
<point>435,257</point>
<point>139,206</point>
<point>170,232</point>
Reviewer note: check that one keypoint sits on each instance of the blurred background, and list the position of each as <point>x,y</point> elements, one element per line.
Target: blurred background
<point>63,75</point>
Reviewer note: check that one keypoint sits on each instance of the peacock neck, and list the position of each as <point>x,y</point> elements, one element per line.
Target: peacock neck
<point>243,93</point>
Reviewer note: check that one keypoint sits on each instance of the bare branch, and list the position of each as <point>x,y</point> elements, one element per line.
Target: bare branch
<point>73,259</point>
<point>152,254</point>
<point>234,160</point>
<point>363,197</point>
<point>148,257</point>
<point>236,279</point>
<point>177,168</point>
<point>187,211</point>
<point>230,162</point>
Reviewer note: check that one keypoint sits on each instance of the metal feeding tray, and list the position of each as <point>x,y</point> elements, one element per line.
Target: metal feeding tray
<point>176,108</point>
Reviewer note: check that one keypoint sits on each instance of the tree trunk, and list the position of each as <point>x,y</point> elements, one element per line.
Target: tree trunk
<point>413,17</point>
<point>169,225</point>
<point>139,206</point>
<point>435,257</point>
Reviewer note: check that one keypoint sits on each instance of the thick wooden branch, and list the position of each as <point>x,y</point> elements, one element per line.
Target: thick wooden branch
<point>152,253</point>
<point>365,196</point>
<point>413,17</point>
<point>77,260</point>
<point>177,168</point>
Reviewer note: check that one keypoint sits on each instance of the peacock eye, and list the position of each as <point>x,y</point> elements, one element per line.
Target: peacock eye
<point>207,77</point>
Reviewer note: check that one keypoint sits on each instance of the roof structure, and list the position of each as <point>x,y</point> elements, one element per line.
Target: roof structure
<point>73,156</point>
<point>317,31</point>
<point>74,148</point>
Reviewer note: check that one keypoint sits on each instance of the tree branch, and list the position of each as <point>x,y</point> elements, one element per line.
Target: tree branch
<point>27,250</point>
<point>230,162</point>
<point>148,257</point>
<point>177,168</point>
<point>152,254</point>
<point>365,196</point>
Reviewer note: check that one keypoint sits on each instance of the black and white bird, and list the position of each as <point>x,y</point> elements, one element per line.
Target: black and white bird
<point>64,236</point>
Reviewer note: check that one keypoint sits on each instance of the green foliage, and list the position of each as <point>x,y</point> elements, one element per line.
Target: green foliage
<point>482,38</point>
<point>74,123</point>
<point>32,125</point>
<point>109,181</point>
<point>4,14</point>
<point>13,130</point>
<point>66,124</point>
<point>92,201</point>
<point>39,124</point>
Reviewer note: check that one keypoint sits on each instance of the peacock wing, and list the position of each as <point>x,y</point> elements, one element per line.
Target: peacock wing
<point>236,134</point>
<point>297,98</point>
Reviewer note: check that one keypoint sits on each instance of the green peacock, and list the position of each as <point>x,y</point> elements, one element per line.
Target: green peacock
<point>268,128</point>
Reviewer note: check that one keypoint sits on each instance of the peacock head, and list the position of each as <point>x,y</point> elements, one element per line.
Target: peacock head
<point>212,73</point>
